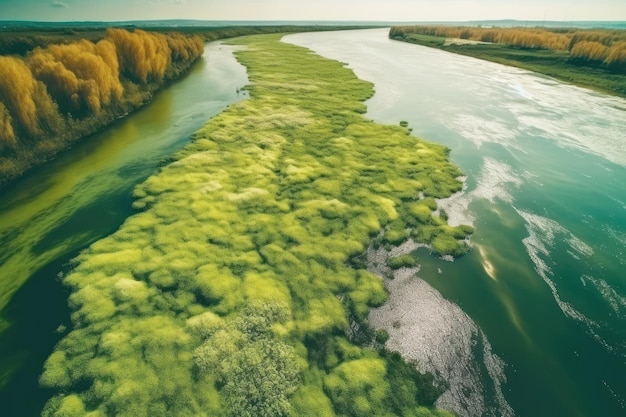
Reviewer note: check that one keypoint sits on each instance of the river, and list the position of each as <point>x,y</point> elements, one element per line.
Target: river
<point>532,321</point>
<point>82,196</point>
<point>544,284</point>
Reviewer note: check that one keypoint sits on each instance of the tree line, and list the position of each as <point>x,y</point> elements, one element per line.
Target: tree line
<point>57,93</point>
<point>602,47</point>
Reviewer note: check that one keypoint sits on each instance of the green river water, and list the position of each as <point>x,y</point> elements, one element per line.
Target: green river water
<point>81,196</point>
<point>542,295</point>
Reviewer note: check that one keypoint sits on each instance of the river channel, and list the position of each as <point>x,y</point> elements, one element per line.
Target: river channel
<point>546,167</point>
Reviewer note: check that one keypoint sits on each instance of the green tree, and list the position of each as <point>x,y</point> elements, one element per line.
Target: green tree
<point>256,371</point>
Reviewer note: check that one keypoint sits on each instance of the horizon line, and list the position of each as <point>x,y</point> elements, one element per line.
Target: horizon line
<point>304,20</point>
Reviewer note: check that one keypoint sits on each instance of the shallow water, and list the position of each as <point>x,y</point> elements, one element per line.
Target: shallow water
<point>546,167</point>
<point>79,197</point>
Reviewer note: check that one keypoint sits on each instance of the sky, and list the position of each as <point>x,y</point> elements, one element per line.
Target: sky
<point>359,10</point>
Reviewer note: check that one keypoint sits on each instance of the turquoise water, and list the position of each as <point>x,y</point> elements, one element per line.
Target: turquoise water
<point>83,195</point>
<point>546,168</point>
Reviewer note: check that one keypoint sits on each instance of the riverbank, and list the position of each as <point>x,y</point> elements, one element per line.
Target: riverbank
<point>235,270</point>
<point>558,64</point>
<point>60,93</point>
<point>77,109</point>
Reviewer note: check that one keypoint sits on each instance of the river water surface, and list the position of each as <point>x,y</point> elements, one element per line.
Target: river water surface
<point>545,190</point>
<point>531,322</point>
<point>81,196</point>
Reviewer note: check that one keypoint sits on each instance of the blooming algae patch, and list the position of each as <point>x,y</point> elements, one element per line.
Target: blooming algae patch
<point>231,291</point>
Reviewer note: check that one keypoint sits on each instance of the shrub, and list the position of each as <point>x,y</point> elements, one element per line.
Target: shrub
<point>403,261</point>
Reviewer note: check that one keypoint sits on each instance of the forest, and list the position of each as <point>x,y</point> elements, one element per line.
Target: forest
<point>56,94</point>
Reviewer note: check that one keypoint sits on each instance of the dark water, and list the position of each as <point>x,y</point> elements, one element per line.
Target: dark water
<point>546,175</point>
<point>83,195</point>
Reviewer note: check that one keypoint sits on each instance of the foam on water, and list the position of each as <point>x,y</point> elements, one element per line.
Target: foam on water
<point>494,180</point>
<point>457,208</point>
<point>619,236</point>
<point>543,234</point>
<point>616,301</point>
<point>481,130</point>
<point>495,177</point>
<point>546,230</point>
<point>532,105</point>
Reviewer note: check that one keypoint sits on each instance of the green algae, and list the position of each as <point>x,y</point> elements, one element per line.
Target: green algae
<point>234,274</point>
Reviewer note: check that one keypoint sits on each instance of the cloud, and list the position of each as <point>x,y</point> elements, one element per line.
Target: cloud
<point>59,4</point>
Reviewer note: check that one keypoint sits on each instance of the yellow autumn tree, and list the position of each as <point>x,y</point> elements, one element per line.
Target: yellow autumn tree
<point>26,99</point>
<point>616,59</point>
<point>184,48</point>
<point>143,56</point>
<point>590,51</point>
<point>7,135</point>
<point>81,76</point>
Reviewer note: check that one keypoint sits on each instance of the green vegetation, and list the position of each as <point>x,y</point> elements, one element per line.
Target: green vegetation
<point>60,93</point>
<point>589,58</point>
<point>416,220</point>
<point>426,40</point>
<point>402,261</point>
<point>229,292</point>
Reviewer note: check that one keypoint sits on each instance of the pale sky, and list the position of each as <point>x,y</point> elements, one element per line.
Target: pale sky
<point>373,10</point>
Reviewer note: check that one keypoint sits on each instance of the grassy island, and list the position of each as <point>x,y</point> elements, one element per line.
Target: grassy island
<point>233,291</point>
<point>593,58</point>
